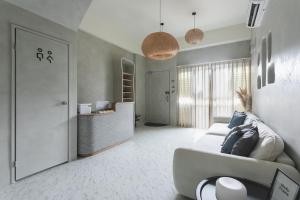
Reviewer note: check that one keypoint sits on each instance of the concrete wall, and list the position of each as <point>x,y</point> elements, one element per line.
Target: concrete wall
<point>68,13</point>
<point>140,86</point>
<point>97,63</point>
<point>99,72</point>
<point>216,53</point>
<point>11,14</point>
<point>278,104</point>
<point>209,54</point>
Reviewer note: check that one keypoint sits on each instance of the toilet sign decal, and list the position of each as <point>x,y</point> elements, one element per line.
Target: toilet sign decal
<point>40,55</point>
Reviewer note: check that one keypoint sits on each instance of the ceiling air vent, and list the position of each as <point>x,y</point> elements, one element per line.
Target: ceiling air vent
<point>256,12</point>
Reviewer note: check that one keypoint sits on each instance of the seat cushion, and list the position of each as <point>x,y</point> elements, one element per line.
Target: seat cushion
<point>209,143</point>
<point>219,129</point>
<point>269,146</point>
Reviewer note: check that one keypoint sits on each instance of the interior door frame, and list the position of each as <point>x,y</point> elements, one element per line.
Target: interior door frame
<point>169,73</point>
<point>14,27</point>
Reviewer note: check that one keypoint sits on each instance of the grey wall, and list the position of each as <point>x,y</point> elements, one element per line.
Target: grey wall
<point>68,13</point>
<point>278,104</point>
<point>11,14</point>
<point>98,67</point>
<point>99,71</point>
<point>216,53</point>
<point>209,54</point>
<point>140,62</point>
<point>96,62</point>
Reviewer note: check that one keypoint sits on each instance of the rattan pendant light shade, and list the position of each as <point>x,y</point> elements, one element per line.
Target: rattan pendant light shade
<point>195,35</point>
<point>160,45</point>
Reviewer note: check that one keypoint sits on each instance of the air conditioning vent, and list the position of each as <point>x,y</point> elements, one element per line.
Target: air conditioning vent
<point>255,12</point>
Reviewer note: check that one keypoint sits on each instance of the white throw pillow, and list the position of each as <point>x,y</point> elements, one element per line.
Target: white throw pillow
<point>269,146</point>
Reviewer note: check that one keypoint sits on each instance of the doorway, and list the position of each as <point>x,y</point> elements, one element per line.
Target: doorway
<point>158,97</point>
<point>41,96</point>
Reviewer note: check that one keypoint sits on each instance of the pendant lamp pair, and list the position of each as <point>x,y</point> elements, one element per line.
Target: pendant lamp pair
<point>162,45</point>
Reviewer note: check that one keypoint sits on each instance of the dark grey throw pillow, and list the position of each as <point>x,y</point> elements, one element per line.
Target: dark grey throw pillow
<point>245,144</point>
<point>241,127</point>
<point>232,138</point>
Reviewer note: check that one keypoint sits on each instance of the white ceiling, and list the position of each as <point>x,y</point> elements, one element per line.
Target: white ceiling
<point>127,22</point>
<point>68,13</point>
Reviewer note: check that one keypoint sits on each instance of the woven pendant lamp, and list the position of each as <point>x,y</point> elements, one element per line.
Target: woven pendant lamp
<point>195,35</point>
<point>160,45</point>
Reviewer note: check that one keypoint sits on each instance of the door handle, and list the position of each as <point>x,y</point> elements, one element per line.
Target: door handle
<point>167,93</point>
<point>64,103</point>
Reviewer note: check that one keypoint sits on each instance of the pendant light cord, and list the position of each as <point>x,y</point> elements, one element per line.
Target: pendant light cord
<point>194,14</point>
<point>160,16</point>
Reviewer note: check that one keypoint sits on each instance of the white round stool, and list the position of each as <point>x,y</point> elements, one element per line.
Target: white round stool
<point>230,189</point>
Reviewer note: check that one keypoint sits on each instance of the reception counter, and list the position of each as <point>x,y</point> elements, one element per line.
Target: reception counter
<point>102,130</point>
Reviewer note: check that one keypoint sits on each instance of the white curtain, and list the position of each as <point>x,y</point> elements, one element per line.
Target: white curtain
<point>208,91</point>
<point>186,97</point>
<point>193,96</point>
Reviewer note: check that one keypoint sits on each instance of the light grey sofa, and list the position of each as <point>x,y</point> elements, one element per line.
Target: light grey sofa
<point>204,160</point>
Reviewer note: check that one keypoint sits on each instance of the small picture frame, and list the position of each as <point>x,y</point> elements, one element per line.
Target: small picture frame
<point>283,187</point>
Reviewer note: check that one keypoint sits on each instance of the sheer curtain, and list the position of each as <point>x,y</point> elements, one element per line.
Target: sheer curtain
<point>186,97</point>
<point>207,91</point>
<point>193,96</point>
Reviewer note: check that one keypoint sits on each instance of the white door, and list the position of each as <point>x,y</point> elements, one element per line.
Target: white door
<point>41,103</point>
<point>158,97</point>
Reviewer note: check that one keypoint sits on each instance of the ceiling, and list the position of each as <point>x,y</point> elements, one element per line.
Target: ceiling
<point>68,13</point>
<point>126,23</point>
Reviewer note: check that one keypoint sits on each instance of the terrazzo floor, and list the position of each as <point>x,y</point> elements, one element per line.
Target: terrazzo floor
<point>140,169</point>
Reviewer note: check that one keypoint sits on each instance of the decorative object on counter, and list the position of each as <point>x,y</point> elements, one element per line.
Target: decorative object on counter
<point>284,187</point>
<point>230,189</point>
<point>246,99</point>
<point>85,108</point>
<point>160,45</point>
<point>105,111</point>
<point>195,35</point>
<point>102,105</point>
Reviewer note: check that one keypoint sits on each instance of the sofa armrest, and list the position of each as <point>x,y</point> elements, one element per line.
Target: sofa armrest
<point>192,166</point>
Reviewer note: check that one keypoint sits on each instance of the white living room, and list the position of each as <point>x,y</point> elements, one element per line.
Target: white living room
<point>153,100</point>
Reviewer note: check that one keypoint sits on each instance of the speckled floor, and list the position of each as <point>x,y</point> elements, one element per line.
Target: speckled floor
<point>138,169</point>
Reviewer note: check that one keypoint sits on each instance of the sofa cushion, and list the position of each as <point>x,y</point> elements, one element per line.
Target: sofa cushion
<point>219,129</point>
<point>269,146</point>
<point>245,145</point>
<point>251,118</point>
<point>237,119</point>
<point>209,143</point>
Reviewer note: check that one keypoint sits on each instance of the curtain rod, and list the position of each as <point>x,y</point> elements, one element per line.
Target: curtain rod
<point>209,63</point>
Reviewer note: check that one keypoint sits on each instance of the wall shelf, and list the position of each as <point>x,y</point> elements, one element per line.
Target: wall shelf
<point>128,78</point>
